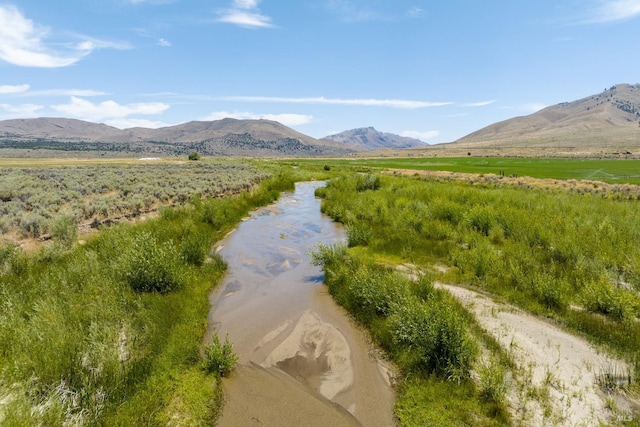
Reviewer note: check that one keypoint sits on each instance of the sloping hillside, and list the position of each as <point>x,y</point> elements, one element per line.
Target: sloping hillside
<point>609,121</point>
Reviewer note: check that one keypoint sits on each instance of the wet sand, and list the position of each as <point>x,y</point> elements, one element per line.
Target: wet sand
<point>302,360</point>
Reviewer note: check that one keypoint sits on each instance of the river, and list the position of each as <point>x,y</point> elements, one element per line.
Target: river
<point>302,360</point>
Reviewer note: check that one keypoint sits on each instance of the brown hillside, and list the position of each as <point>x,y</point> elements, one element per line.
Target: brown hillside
<point>604,122</point>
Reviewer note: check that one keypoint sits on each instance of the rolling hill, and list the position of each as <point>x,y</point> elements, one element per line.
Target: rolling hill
<point>226,137</point>
<point>608,121</point>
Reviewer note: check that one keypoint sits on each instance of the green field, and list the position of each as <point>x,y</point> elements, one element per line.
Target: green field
<point>614,171</point>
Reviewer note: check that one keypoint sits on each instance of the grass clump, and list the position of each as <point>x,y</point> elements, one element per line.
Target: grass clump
<point>149,265</point>
<point>219,358</point>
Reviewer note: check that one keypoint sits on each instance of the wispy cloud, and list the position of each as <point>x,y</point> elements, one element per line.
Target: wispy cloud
<point>245,13</point>
<point>416,12</point>
<point>479,104</point>
<point>64,92</point>
<point>164,43</point>
<point>86,110</point>
<point>422,136</point>
<point>5,89</point>
<point>392,103</point>
<point>351,11</point>
<point>285,119</point>
<point>22,43</point>
<point>612,11</point>
<point>20,111</point>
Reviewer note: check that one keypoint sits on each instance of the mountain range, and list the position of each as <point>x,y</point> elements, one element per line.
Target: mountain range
<point>226,137</point>
<point>367,139</point>
<point>605,122</point>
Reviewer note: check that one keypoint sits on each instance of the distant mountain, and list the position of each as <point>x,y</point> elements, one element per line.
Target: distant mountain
<point>369,139</point>
<point>608,120</point>
<point>227,137</point>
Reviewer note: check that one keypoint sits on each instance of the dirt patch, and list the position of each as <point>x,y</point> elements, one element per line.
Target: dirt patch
<point>552,363</point>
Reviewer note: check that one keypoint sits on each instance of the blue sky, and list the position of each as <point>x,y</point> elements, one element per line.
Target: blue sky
<point>432,70</point>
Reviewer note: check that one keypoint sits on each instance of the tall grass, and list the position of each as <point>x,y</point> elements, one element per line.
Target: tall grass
<point>110,333</point>
<point>572,257</point>
<point>424,330</point>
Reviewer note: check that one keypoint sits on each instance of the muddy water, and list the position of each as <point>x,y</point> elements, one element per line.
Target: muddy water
<point>302,361</point>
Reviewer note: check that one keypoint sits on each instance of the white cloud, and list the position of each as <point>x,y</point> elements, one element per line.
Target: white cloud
<point>245,13</point>
<point>22,43</point>
<point>479,104</point>
<point>285,119</point>
<point>5,89</point>
<point>21,111</point>
<point>87,110</point>
<point>164,43</point>
<point>422,136</point>
<point>392,103</point>
<point>613,11</point>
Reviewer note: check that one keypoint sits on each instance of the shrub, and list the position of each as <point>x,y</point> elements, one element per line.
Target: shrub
<point>150,265</point>
<point>195,248</point>
<point>493,387</point>
<point>434,338</point>
<point>358,234</point>
<point>219,359</point>
<point>194,156</point>
<point>367,182</point>
<point>65,231</point>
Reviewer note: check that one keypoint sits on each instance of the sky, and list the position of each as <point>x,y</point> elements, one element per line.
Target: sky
<point>431,70</point>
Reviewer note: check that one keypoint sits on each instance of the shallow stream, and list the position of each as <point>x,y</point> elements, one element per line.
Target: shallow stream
<point>302,360</point>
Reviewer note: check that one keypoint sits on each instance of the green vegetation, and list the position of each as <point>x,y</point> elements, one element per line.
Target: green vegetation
<point>194,155</point>
<point>219,357</point>
<point>34,201</point>
<point>110,333</point>
<point>616,171</point>
<point>569,256</point>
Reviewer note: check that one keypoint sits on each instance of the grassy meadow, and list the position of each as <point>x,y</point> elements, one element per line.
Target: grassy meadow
<point>613,171</point>
<point>110,332</point>
<point>573,258</point>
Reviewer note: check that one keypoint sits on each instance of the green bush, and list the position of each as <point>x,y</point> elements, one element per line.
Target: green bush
<point>150,265</point>
<point>421,326</point>
<point>367,182</point>
<point>219,358</point>
<point>433,338</point>
<point>358,233</point>
<point>65,231</point>
<point>195,247</point>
